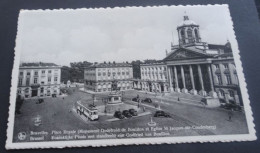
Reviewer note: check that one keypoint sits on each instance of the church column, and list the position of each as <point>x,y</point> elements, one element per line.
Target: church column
<point>170,78</point>
<point>177,89</point>
<point>193,91</point>
<point>184,90</point>
<point>202,91</point>
<point>212,92</point>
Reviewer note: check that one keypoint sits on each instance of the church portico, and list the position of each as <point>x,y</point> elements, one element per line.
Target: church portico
<point>192,78</point>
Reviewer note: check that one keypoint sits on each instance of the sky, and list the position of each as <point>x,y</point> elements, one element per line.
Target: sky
<point>114,34</point>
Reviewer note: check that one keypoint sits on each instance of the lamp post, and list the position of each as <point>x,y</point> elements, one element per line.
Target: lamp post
<point>93,96</point>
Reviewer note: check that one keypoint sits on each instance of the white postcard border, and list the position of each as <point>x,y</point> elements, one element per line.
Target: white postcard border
<point>114,142</point>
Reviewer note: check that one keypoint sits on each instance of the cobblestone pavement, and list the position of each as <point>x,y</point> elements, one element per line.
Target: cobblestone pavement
<point>57,114</point>
<point>199,114</point>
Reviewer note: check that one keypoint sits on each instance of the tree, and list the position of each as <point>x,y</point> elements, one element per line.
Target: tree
<point>19,103</point>
<point>75,72</point>
<point>136,69</point>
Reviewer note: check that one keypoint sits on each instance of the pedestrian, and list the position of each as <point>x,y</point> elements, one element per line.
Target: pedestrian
<point>144,109</point>
<point>230,115</point>
<point>178,99</point>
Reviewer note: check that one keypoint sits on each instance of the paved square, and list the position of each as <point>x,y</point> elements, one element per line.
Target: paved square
<point>58,114</point>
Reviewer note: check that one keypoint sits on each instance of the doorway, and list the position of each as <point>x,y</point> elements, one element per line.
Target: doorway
<point>34,92</point>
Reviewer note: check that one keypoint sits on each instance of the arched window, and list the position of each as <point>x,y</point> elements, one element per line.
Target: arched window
<point>196,35</point>
<point>189,33</point>
<point>183,36</point>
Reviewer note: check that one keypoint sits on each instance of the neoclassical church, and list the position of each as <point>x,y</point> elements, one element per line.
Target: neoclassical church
<point>194,67</point>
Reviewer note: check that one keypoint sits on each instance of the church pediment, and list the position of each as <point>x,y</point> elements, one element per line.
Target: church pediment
<point>184,54</point>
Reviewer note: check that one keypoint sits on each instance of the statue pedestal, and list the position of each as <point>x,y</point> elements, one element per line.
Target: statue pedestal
<point>114,102</point>
<point>114,98</point>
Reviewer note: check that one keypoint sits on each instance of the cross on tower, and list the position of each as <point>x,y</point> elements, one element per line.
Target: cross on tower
<point>186,16</point>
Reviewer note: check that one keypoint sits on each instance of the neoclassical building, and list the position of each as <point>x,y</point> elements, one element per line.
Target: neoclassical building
<point>154,77</point>
<point>194,67</point>
<point>98,77</point>
<point>39,80</point>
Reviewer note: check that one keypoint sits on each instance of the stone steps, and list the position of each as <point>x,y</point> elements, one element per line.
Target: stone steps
<point>184,96</point>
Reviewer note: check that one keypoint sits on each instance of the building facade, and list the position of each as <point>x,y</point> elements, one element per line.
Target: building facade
<point>98,77</point>
<point>39,80</point>
<point>195,67</point>
<point>154,77</point>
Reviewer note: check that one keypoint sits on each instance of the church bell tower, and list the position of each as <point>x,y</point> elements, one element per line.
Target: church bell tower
<point>188,32</point>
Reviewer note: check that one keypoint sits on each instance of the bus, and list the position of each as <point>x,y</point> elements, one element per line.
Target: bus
<point>88,110</point>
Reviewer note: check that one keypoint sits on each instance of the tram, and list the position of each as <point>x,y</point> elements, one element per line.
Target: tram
<point>88,110</point>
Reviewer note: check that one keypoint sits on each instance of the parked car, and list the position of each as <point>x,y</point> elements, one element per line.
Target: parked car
<point>232,106</point>
<point>127,114</point>
<point>147,100</point>
<point>119,115</point>
<point>161,114</point>
<point>135,99</point>
<point>133,112</point>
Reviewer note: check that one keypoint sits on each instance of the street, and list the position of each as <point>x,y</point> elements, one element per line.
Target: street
<point>59,114</point>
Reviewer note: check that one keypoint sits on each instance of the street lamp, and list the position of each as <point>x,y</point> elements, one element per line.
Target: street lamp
<point>93,96</point>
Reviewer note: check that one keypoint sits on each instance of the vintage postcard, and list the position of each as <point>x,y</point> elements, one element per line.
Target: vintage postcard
<point>133,75</point>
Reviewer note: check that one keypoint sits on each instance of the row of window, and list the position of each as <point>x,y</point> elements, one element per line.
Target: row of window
<point>156,76</point>
<point>41,90</point>
<point>36,73</point>
<point>227,77</point>
<point>35,81</point>
<point>114,73</point>
<point>108,83</point>
<point>119,84</point>
<point>230,92</point>
<point>153,68</point>
<point>109,89</point>
<point>108,69</point>
<point>225,66</point>
<point>153,72</point>
<point>113,69</point>
<point>109,78</point>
